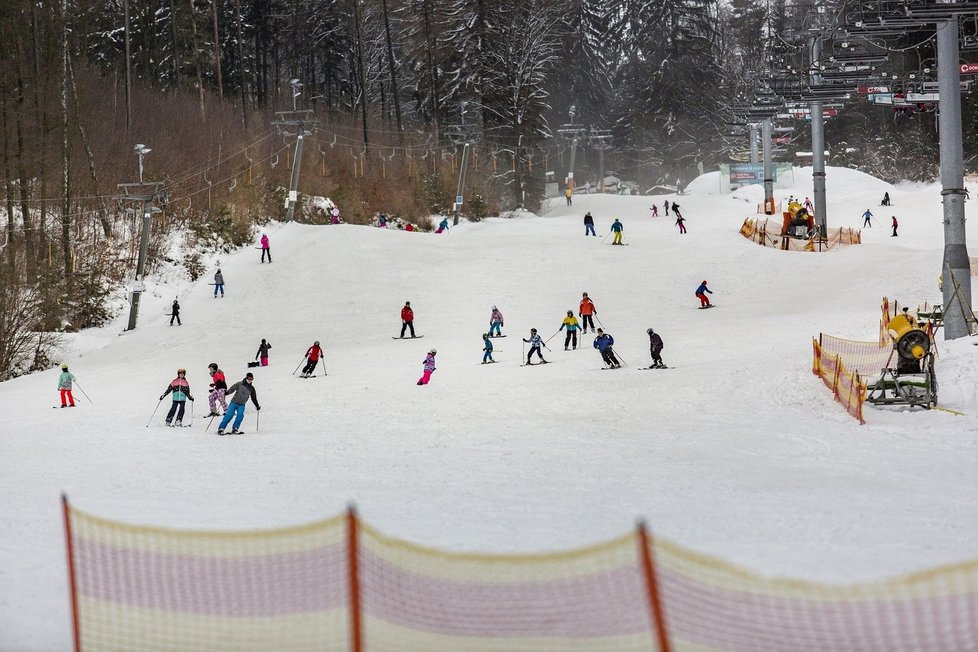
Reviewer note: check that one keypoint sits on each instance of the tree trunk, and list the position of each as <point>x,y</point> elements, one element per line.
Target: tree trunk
<point>392,65</point>
<point>65,156</point>
<point>362,73</point>
<point>175,44</point>
<point>217,53</point>
<point>23,178</point>
<point>125,4</point>
<point>41,114</point>
<point>7,171</point>
<point>200,77</point>
<point>106,225</point>
<point>432,72</point>
<point>242,88</point>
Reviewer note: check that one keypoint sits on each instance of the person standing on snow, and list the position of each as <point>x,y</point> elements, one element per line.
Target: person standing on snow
<point>239,393</point>
<point>894,225</point>
<point>617,227</point>
<point>442,226</point>
<point>569,196</point>
<point>701,292</point>
<point>535,342</point>
<point>265,251</point>
<point>487,347</point>
<point>604,343</point>
<point>867,216</point>
<point>495,322</point>
<point>64,386</point>
<point>680,222</point>
<point>181,394</point>
<point>216,395</point>
<point>809,207</point>
<point>655,210</point>
<point>586,312</point>
<point>429,367</point>
<point>175,313</point>
<point>570,321</point>
<point>589,225</point>
<point>263,352</point>
<point>218,283</point>
<point>655,348</point>
<point>312,359</point>
<point>665,205</point>
<point>407,319</point>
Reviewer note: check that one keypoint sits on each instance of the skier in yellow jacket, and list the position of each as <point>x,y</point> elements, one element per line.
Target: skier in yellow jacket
<point>570,321</point>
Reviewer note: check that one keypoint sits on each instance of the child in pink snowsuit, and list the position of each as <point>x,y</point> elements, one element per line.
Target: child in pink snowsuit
<point>429,367</point>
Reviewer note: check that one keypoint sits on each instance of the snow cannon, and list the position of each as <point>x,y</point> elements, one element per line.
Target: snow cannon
<point>796,221</point>
<point>913,380</point>
<point>909,340</point>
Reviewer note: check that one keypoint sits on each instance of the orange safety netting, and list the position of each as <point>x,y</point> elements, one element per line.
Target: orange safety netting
<point>846,385</point>
<point>341,585</point>
<point>767,232</point>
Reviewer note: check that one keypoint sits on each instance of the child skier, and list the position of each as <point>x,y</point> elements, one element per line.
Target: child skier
<point>586,312</point>
<point>570,321</point>
<point>175,313</point>
<point>216,395</point>
<point>487,347</point>
<point>495,322</point>
<point>265,251</point>
<point>429,367</point>
<point>181,393</point>
<point>655,348</point>
<point>239,393</point>
<point>263,351</point>
<point>218,283</point>
<point>407,319</point>
<point>604,343</point>
<point>312,359</point>
<point>535,342</point>
<point>64,386</point>
<point>701,292</point>
<point>442,226</point>
<point>617,228</point>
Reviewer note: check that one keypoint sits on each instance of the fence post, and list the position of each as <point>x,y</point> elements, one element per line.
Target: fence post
<point>72,582</point>
<point>835,381</point>
<point>652,588</point>
<point>353,561</point>
<point>816,359</point>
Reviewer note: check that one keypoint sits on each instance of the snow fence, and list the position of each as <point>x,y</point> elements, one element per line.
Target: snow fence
<point>767,232</point>
<point>339,584</point>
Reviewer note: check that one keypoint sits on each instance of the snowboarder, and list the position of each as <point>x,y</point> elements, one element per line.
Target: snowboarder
<point>407,319</point>
<point>680,222</point>
<point>181,394</point>
<point>216,395</point>
<point>701,292</point>
<point>586,312</point>
<point>867,216</point>
<point>570,321</point>
<point>655,347</point>
<point>495,322</point>
<point>218,283</point>
<point>442,226</point>
<point>487,347</point>
<point>894,224</point>
<point>535,342</point>
<point>604,343</point>
<point>569,196</point>
<point>263,352</point>
<point>589,225</point>
<point>617,228</point>
<point>239,393</point>
<point>655,210</point>
<point>665,205</point>
<point>429,367</point>
<point>312,359</point>
<point>175,313</point>
<point>886,199</point>
<point>265,250</point>
<point>64,387</point>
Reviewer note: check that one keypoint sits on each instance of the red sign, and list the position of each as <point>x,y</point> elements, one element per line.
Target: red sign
<point>969,68</point>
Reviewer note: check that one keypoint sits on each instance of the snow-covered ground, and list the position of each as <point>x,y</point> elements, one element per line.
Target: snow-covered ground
<point>737,451</point>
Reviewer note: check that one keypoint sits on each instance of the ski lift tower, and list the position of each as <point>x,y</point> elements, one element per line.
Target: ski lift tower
<point>599,140</point>
<point>304,125</point>
<point>461,134</point>
<point>573,132</point>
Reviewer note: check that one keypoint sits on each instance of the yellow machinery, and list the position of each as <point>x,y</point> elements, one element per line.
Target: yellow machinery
<point>797,222</point>
<point>912,381</point>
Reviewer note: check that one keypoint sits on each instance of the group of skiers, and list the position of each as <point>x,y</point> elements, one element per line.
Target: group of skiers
<point>868,216</point>
<point>239,392</point>
<point>617,228</point>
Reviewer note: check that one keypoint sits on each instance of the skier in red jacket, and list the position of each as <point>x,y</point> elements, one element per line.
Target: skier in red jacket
<point>407,319</point>
<point>312,359</point>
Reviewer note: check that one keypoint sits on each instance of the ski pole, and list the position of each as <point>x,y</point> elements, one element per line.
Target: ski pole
<point>524,349</point>
<point>618,355</point>
<point>605,237</point>
<point>154,413</point>
<point>599,320</point>
<point>83,392</point>
<point>209,423</point>
<point>551,337</point>
<point>191,410</point>
<point>299,365</point>
<point>257,417</point>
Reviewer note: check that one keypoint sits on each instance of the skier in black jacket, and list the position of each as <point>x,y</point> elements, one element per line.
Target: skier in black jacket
<point>175,313</point>
<point>655,347</point>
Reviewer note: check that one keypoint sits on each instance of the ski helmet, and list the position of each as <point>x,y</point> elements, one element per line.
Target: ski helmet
<point>249,376</point>
<point>704,282</point>
<point>65,366</point>
<point>485,335</point>
<point>494,307</point>
<point>213,366</point>
<point>570,313</point>
<point>433,351</point>
<point>316,343</point>
<point>533,330</point>
<point>649,331</point>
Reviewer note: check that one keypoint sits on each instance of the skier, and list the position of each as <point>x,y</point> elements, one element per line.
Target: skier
<point>569,196</point>
<point>407,319</point>
<point>535,342</point>
<point>894,224</point>
<point>680,222</point>
<point>886,199</point>
<point>487,347</point>
<point>265,250</point>
<point>312,359</point>
<point>655,211</point>
<point>617,228</point>
<point>675,210</point>
<point>495,322</point>
<point>586,312</point>
<point>429,367</point>
<point>239,393</point>
<point>867,216</point>
<point>181,393</point>
<point>442,226</point>
<point>64,387</point>
<point>218,283</point>
<point>382,221</point>
<point>604,343</point>
<point>589,225</point>
<point>655,347</point>
<point>701,295</point>
<point>570,321</point>
<point>263,352</point>
<point>665,205</point>
<point>175,313</point>
<point>808,206</point>
<point>216,395</point>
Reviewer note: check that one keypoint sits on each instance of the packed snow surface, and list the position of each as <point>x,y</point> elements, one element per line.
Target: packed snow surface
<point>736,451</point>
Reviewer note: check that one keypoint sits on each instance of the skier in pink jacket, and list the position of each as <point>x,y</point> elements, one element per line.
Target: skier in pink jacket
<point>265,251</point>
<point>429,367</point>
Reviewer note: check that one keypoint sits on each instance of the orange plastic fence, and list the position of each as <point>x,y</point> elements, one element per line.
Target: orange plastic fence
<point>341,585</point>
<point>846,386</point>
<point>767,232</point>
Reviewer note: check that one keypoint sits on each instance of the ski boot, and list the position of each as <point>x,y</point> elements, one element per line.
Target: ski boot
<point>220,432</point>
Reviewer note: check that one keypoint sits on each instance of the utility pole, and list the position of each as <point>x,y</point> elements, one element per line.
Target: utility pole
<point>600,137</point>
<point>574,132</point>
<point>300,120</point>
<point>768,168</point>
<point>147,193</point>
<point>753,144</point>
<point>462,133</point>
<point>818,146</point>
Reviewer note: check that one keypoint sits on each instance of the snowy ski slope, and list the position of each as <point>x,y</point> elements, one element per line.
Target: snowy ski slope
<point>737,451</point>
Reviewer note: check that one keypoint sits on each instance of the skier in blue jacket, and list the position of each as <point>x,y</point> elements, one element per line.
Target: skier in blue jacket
<point>604,343</point>
<point>487,347</point>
